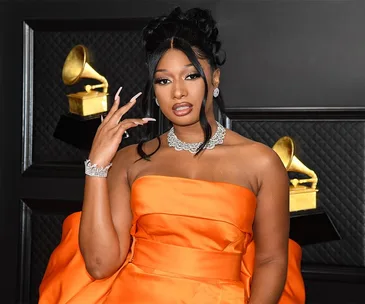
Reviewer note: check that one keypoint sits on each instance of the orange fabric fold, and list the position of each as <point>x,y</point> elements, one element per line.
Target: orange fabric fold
<point>187,261</point>
<point>193,243</point>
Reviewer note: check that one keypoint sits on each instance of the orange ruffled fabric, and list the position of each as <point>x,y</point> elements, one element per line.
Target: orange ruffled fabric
<point>192,243</point>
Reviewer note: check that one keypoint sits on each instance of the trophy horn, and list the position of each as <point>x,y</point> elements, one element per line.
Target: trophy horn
<point>284,147</point>
<point>76,67</point>
<point>88,103</point>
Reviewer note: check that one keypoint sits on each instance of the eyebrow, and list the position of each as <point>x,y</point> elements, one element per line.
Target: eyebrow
<point>165,70</point>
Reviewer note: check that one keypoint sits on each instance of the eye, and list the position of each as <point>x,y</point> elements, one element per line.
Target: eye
<point>193,76</point>
<point>162,81</point>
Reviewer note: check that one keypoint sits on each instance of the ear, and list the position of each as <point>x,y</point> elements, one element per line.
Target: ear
<point>216,77</point>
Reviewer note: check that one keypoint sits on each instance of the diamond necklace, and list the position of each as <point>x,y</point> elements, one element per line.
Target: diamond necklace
<point>216,139</point>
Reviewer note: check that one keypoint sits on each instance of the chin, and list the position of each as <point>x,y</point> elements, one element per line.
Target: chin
<point>187,120</point>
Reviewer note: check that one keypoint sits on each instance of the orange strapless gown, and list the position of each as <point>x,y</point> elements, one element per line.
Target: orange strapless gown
<point>192,243</point>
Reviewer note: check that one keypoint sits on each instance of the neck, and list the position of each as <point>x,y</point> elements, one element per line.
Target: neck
<point>194,133</point>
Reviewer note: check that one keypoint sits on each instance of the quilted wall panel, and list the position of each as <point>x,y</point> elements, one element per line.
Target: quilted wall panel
<point>117,55</point>
<point>335,151</point>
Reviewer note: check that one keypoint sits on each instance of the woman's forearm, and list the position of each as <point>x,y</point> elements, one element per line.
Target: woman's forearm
<point>268,282</point>
<point>99,243</point>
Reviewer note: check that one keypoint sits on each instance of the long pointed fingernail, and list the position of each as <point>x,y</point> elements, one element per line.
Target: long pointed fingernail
<point>135,97</point>
<point>148,119</point>
<point>117,94</point>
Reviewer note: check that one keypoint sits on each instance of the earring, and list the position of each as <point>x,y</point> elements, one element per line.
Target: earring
<point>157,102</point>
<point>216,92</point>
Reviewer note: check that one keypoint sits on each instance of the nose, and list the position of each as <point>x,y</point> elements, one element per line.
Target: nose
<point>179,89</point>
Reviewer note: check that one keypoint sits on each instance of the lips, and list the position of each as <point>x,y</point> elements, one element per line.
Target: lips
<point>180,105</point>
<point>182,109</point>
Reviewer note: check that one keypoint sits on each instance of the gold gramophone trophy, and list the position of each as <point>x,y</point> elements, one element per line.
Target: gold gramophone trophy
<point>308,224</point>
<point>302,197</point>
<point>78,127</point>
<point>90,101</point>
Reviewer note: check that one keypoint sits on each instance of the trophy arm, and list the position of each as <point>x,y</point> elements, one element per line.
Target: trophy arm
<point>104,84</point>
<point>313,179</point>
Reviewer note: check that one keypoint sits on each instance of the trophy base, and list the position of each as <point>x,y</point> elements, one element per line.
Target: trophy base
<point>302,198</point>
<point>78,131</point>
<point>88,103</point>
<point>312,227</point>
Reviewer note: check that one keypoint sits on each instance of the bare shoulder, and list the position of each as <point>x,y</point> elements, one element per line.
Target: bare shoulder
<point>152,145</point>
<point>124,158</point>
<point>259,154</point>
<point>127,156</point>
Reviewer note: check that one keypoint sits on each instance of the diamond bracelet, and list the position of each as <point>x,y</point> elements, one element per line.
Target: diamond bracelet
<point>94,170</point>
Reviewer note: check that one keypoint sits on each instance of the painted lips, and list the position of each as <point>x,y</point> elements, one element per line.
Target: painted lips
<point>182,109</point>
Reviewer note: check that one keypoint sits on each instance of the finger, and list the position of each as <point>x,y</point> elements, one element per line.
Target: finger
<point>114,107</point>
<point>123,128</point>
<point>147,119</point>
<point>119,114</point>
<point>116,101</point>
<point>117,94</point>
<point>126,127</point>
<point>127,123</point>
<point>137,121</point>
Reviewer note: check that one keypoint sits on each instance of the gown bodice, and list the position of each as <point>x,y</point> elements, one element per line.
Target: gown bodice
<point>212,216</point>
<point>192,242</point>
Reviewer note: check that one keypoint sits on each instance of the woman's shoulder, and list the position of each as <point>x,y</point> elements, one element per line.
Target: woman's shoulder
<point>125,157</point>
<point>129,154</point>
<point>257,152</point>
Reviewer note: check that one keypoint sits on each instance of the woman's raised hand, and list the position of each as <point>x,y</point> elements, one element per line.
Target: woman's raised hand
<point>110,132</point>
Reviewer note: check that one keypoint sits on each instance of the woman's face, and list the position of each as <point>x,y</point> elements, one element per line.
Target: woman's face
<point>180,89</point>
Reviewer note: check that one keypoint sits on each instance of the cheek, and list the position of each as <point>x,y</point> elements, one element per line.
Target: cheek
<point>197,88</point>
<point>163,94</point>
<point>160,92</point>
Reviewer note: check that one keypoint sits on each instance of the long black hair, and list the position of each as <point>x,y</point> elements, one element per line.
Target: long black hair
<point>194,33</point>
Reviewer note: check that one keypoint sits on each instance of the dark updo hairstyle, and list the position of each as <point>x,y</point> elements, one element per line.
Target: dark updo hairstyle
<point>194,33</point>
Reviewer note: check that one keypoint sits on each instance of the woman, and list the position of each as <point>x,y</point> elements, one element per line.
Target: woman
<point>197,215</point>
